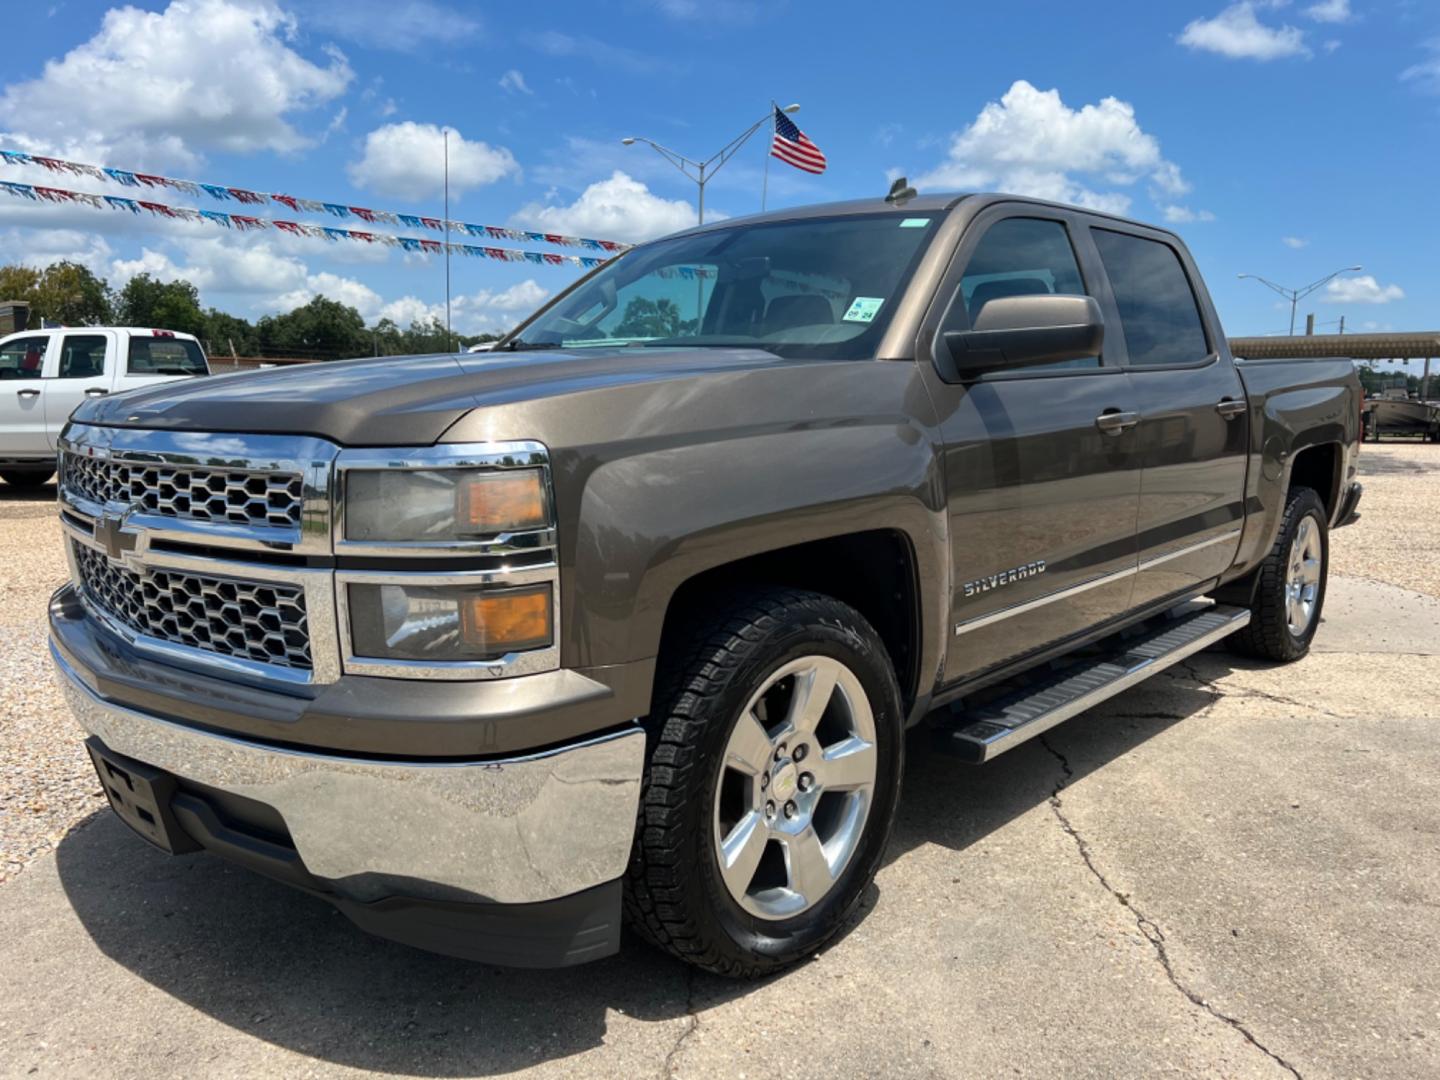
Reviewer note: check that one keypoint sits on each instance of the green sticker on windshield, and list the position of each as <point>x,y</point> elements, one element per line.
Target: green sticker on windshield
<point>863,309</point>
<point>914,223</point>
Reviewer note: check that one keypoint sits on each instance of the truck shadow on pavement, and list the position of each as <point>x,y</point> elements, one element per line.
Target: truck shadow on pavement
<point>286,968</point>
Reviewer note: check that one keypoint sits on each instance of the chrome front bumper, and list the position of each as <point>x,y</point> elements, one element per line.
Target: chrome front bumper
<point>520,830</point>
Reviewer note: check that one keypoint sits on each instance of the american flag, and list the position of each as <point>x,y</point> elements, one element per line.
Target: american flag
<point>793,146</point>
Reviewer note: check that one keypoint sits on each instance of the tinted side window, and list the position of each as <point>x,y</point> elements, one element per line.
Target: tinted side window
<point>165,356</point>
<point>23,358</point>
<point>1158,313</point>
<point>82,356</point>
<point>1019,257</point>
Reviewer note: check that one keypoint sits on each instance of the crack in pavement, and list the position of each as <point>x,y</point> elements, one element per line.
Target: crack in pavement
<point>668,1069</point>
<point>1147,926</point>
<point>1250,692</point>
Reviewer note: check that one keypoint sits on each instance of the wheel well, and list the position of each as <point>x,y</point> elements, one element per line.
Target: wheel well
<point>1318,468</point>
<point>873,572</point>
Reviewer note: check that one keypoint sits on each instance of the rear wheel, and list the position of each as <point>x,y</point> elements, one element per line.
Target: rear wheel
<point>772,784</point>
<point>27,478</point>
<point>1290,592</point>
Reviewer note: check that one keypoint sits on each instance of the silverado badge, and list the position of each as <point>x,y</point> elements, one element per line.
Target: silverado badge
<point>1004,577</point>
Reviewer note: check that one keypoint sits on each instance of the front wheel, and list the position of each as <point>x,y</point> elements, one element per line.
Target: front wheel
<point>772,784</point>
<point>1290,590</point>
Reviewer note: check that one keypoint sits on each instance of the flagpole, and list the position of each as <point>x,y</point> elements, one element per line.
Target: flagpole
<point>765,183</point>
<point>449,340</point>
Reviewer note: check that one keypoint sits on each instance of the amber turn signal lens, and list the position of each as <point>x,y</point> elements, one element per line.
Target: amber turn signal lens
<point>502,501</point>
<point>507,620</point>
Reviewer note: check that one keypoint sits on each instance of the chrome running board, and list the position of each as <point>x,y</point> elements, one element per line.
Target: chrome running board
<point>985,731</point>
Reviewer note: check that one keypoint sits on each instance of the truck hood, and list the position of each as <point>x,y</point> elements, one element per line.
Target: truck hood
<point>395,401</point>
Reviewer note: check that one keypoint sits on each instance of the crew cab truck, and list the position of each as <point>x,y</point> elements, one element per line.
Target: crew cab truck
<point>45,374</point>
<point>633,612</point>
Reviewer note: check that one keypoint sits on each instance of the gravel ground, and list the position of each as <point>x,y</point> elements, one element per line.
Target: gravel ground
<point>46,781</point>
<point>1397,539</point>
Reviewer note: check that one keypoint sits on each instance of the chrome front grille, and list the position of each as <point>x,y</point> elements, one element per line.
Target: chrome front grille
<point>235,496</point>
<point>260,621</point>
<point>225,552</point>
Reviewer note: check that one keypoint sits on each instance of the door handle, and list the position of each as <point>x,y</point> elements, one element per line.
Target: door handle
<point>1229,408</point>
<point>1115,422</point>
<point>27,393</point>
<point>96,391</point>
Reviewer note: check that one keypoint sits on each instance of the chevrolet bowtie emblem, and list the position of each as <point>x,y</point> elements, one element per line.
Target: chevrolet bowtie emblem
<point>118,541</point>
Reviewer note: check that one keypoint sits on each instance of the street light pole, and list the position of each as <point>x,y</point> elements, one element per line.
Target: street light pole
<point>704,170</point>
<point>1296,295</point>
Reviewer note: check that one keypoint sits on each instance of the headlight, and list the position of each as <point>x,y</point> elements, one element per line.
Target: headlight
<point>448,623</point>
<point>443,505</point>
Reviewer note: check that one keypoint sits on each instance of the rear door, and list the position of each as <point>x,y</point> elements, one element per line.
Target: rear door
<point>1193,437</point>
<point>1041,497</point>
<point>22,396</point>
<point>81,366</point>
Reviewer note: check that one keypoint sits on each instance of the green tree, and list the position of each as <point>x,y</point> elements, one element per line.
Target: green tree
<point>323,329</point>
<point>71,295</point>
<point>18,283</point>
<point>224,332</point>
<point>165,305</point>
<point>64,292</point>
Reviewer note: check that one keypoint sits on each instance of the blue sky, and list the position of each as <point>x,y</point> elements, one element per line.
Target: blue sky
<point>1281,139</point>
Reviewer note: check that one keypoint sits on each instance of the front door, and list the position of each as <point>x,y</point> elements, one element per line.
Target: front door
<point>1042,488</point>
<point>80,369</point>
<point>1194,433</point>
<point>22,397</point>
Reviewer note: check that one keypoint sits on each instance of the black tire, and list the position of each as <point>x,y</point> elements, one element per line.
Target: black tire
<point>675,896</point>
<point>1269,635</point>
<point>27,478</point>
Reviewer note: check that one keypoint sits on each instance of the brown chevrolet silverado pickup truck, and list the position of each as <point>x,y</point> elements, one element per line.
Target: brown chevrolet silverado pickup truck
<point>627,619</point>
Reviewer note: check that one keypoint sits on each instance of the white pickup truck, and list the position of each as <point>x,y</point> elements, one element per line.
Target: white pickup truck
<point>45,374</point>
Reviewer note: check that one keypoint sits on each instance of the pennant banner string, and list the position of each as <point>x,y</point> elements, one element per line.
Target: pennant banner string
<point>126,178</point>
<point>247,223</point>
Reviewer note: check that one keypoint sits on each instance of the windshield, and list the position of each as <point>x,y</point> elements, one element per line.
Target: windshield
<point>818,287</point>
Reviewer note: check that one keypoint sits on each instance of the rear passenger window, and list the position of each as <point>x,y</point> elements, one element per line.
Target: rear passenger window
<point>1019,257</point>
<point>165,356</point>
<point>1158,313</point>
<point>82,356</point>
<point>23,358</point>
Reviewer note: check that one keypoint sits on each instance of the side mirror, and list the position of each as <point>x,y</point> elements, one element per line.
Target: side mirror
<point>1021,331</point>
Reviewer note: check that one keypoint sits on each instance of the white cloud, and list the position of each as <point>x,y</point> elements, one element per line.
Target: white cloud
<point>1330,11</point>
<point>620,208</point>
<point>1182,215</point>
<point>709,11</point>
<point>38,248</point>
<point>1426,74</point>
<point>396,25</point>
<point>407,160</point>
<point>1295,242</point>
<point>1238,33</point>
<point>1031,143</point>
<point>570,46</point>
<point>472,313</point>
<point>1361,290</point>
<point>524,297</point>
<point>334,287</point>
<point>514,82</point>
<point>159,88</point>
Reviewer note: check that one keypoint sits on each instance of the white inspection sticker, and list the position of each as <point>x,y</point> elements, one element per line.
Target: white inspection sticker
<point>863,309</point>
<point>914,223</point>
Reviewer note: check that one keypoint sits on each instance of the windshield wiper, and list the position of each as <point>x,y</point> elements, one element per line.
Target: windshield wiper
<point>530,346</point>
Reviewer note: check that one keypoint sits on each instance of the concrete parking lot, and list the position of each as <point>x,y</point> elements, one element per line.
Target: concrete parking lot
<point>1231,870</point>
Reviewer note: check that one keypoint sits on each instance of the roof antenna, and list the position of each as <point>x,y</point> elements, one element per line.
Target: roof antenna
<point>901,192</point>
